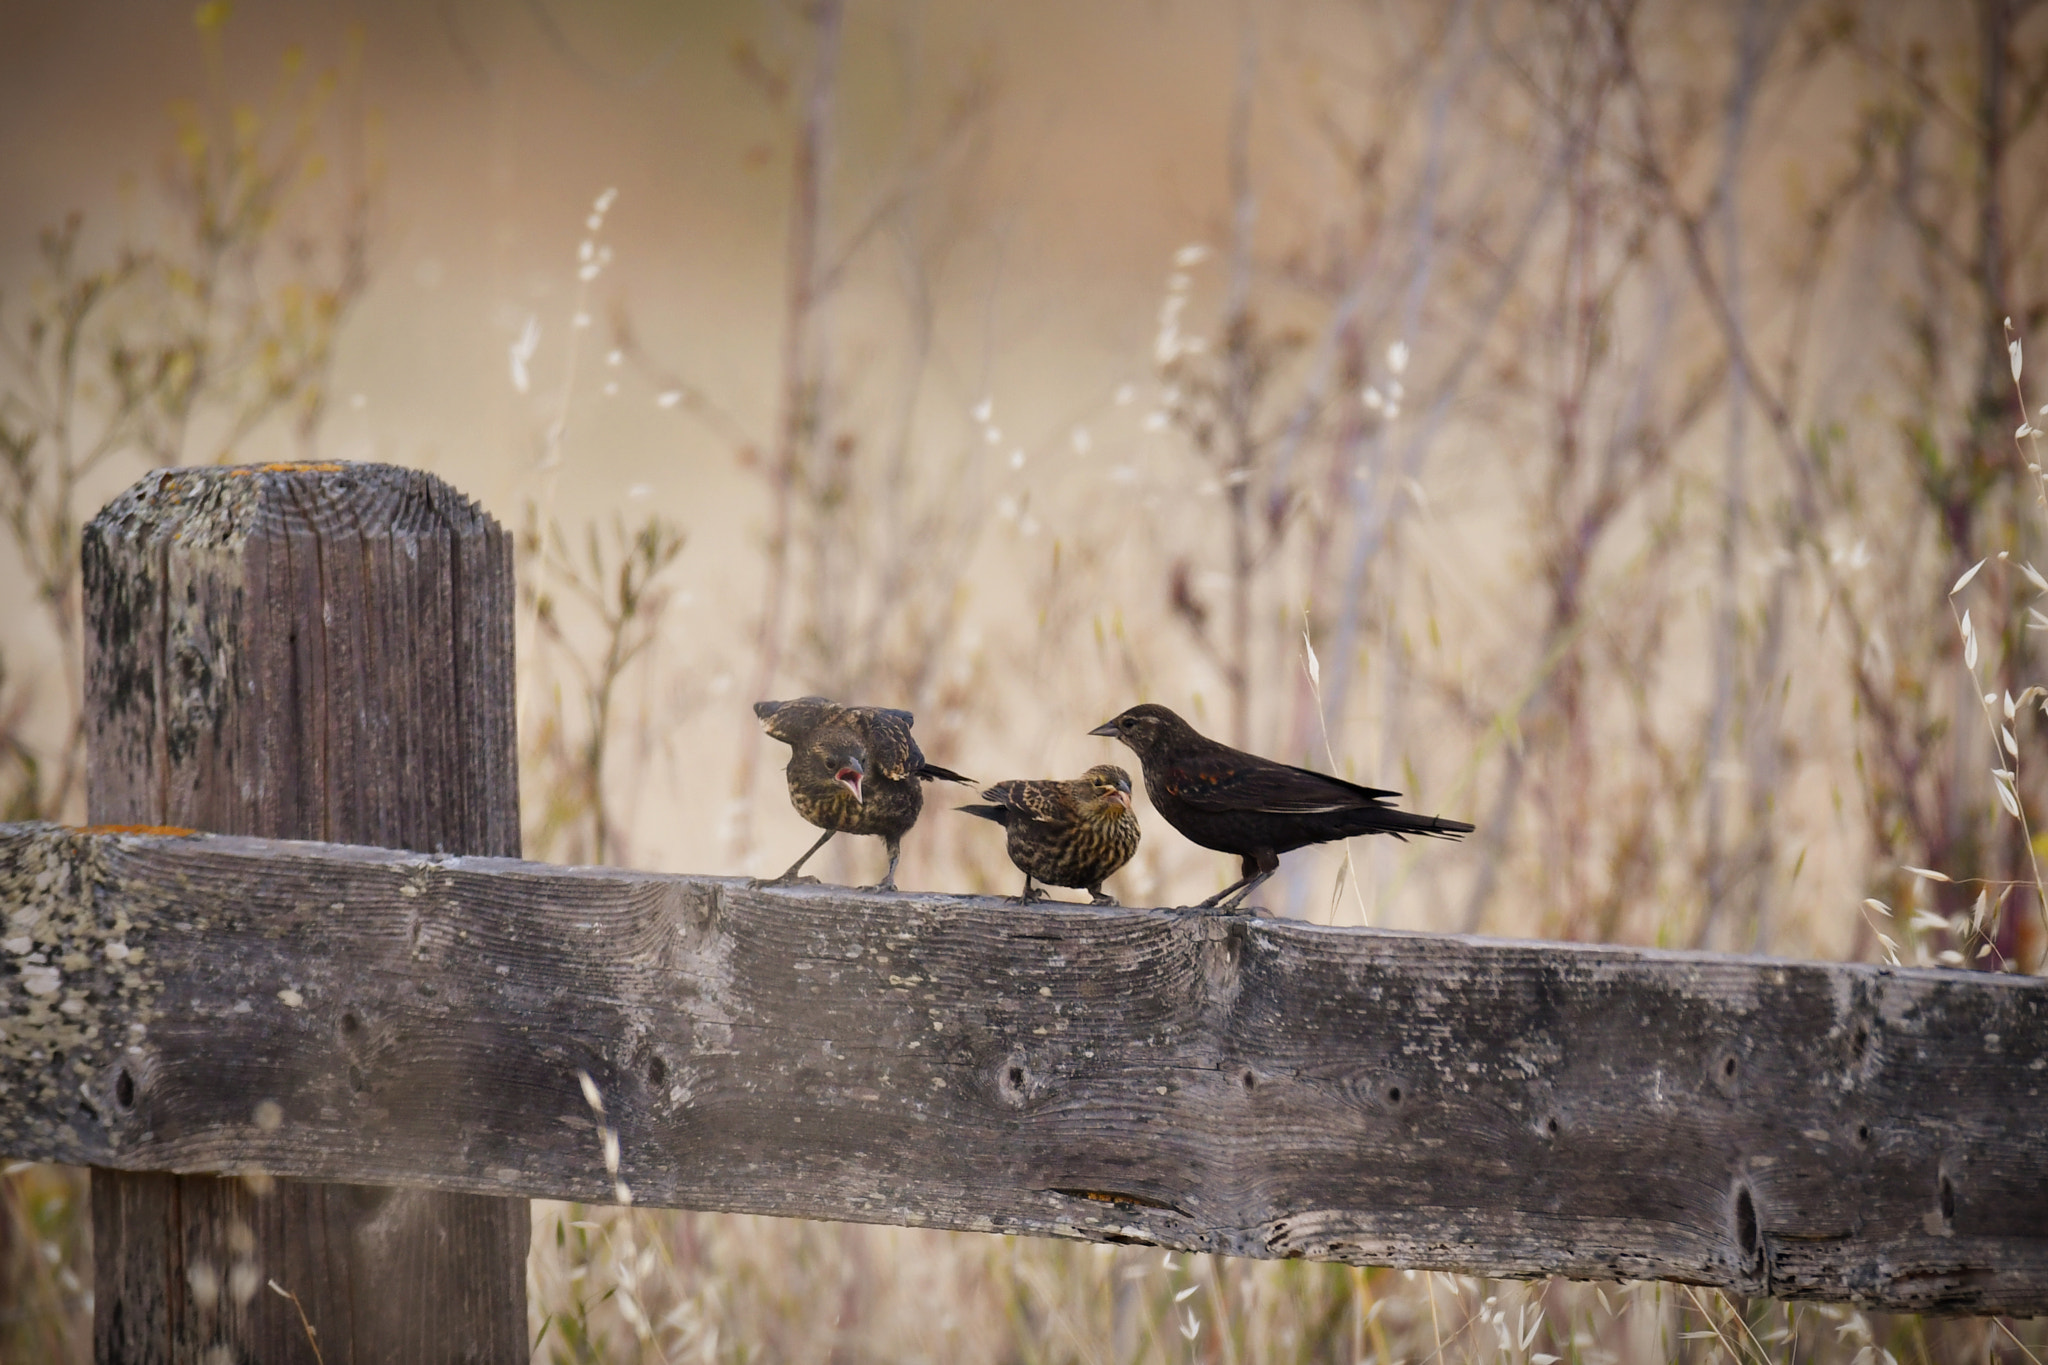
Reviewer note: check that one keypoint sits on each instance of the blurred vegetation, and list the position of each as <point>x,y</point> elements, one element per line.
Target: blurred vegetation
<point>176,347</point>
<point>1609,422</point>
<point>641,1286</point>
<point>615,590</point>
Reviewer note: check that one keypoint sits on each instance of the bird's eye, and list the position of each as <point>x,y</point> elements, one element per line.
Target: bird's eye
<point>1128,722</point>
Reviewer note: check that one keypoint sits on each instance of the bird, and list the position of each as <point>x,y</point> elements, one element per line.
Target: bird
<point>852,770</point>
<point>1066,833</point>
<point>1256,808</point>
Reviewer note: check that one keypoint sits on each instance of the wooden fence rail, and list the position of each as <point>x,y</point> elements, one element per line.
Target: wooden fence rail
<point>386,1045</point>
<point>1173,1078</point>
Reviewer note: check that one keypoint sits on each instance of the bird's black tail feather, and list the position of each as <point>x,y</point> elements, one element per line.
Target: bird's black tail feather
<point>1401,823</point>
<point>932,772</point>
<point>999,814</point>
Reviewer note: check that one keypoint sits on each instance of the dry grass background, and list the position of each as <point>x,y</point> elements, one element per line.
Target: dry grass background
<point>1573,414</point>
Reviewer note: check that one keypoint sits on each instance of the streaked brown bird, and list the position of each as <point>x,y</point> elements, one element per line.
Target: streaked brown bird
<point>1235,802</point>
<point>852,770</point>
<point>1066,833</point>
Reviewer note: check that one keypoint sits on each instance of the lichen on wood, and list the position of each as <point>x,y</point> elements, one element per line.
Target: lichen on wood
<point>76,988</point>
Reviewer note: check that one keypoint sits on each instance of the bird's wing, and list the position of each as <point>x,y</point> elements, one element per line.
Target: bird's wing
<point>790,721</point>
<point>1044,801</point>
<point>891,750</point>
<point>1263,785</point>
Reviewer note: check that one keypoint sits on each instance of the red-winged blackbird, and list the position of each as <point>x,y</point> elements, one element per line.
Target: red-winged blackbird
<point>1235,802</point>
<point>852,770</point>
<point>1066,833</point>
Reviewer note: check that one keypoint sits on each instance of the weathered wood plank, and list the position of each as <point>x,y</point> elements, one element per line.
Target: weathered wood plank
<point>309,651</point>
<point>1256,1087</point>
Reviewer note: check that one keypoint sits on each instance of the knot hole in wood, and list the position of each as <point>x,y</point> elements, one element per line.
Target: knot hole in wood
<point>1727,1073</point>
<point>1014,1081</point>
<point>1748,1232</point>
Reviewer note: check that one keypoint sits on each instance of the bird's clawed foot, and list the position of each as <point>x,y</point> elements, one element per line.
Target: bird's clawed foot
<point>1231,901</point>
<point>888,882</point>
<point>1097,896</point>
<point>1232,896</point>
<point>790,878</point>
<point>784,880</point>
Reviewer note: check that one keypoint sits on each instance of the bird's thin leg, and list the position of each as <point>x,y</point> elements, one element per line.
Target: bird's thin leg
<point>797,866</point>
<point>1256,866</point>
<point>888,882</point>
<point>1239,886</point>
<point>1033,893</point>
<point>1096,896</point>
<point>1244,888</point>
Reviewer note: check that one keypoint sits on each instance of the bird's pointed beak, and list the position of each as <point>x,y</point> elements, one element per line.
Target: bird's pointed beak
<point>849,777</point>
<point>1107,729</point>
<point>1121,798</point>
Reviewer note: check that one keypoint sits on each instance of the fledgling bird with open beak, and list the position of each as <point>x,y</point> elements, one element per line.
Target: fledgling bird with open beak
<point>1256,808</point>
<point>852,770</point>
<point>1066,833</point>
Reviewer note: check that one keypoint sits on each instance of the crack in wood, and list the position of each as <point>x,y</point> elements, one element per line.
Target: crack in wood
<point>1122,1198</point>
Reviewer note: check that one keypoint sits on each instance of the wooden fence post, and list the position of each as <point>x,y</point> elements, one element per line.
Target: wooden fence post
<point>303,652</point>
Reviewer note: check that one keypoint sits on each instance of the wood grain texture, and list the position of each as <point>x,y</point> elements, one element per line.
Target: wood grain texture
<point>316,651</point>
<point>1256,1087</point>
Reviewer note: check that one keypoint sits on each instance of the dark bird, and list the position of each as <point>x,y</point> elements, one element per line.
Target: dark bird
<point>1235,802</point>
<point>852,770</point>
<point>1066,833</point>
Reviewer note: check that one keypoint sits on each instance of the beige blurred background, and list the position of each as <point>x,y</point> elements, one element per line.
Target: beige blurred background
<point>1035,172</point>
<point>487,132</point>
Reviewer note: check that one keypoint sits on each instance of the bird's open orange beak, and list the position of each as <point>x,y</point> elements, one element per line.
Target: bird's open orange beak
<point>849,777</point>
<point>1122,798</point>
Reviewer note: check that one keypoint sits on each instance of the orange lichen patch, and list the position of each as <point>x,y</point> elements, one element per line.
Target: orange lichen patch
<point>285,467</point>
<point>167,831</point>
<point>1115,1197</point>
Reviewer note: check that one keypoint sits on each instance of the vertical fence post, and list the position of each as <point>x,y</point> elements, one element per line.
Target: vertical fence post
<point>303,652</point>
